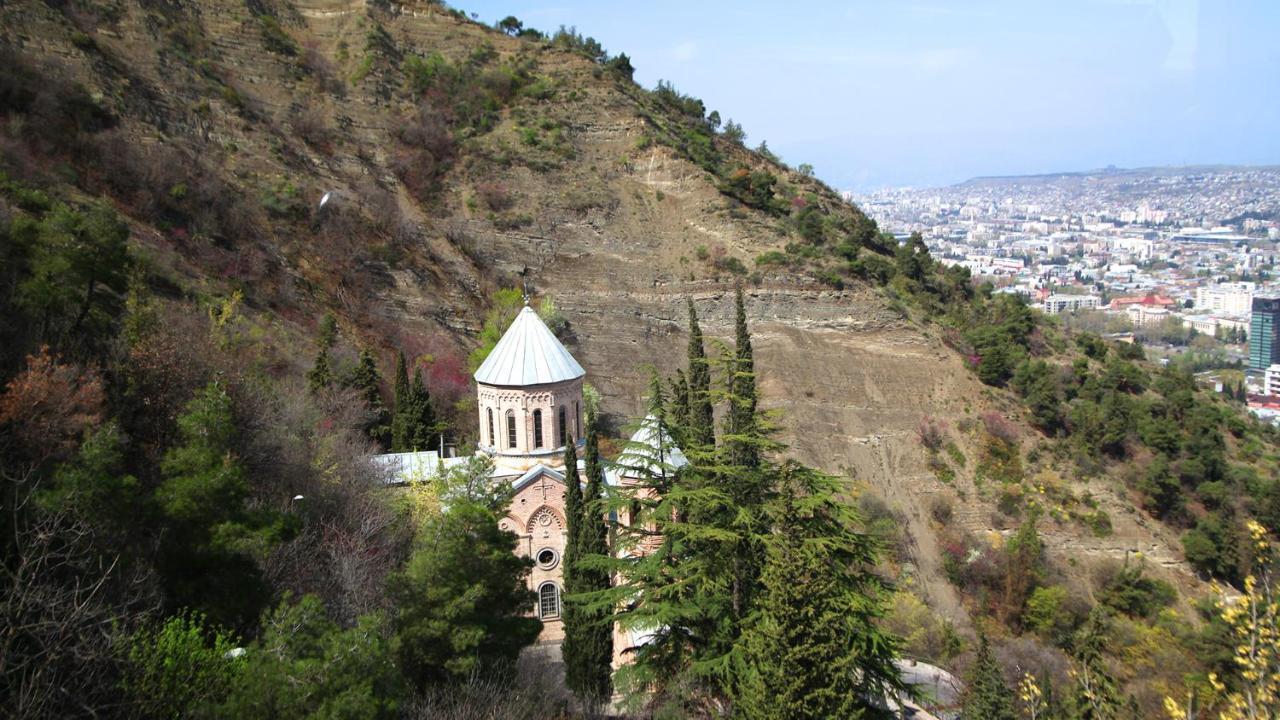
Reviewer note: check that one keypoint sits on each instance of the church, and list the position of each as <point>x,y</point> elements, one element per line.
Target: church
<point>529,405</point>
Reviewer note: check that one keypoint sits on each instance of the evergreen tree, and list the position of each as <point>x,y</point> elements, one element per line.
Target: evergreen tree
<point>1095,695</point>
<point>575,620</point>
<point>814,648</point>
<point>304,665</point>
<point>399,414</point>
<point>401,388</point>
<point>677,412</point>
<point>739,468</point>
<point>205,561</point>
<point>588,648</point>
<point>366,379</point>
<point>462,601</point>
<point>742,395</point>
<point>699,429</point>
<point>987,696</point>
<point>320,377</point>
<point>422,432</point>
<point>413,424</point>
<point>664,590</point>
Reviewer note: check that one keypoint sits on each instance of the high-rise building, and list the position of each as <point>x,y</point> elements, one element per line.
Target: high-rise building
<point>1264,340</point>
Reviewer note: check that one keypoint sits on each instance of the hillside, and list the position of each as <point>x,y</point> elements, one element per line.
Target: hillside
<point>618,227</point>
<point>276,104</point>
<point>458,160</point>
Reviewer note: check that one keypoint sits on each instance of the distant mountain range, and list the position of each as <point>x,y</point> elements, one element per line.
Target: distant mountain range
<point>1115,172</point>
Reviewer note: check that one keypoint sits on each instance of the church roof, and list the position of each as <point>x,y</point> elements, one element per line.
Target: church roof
<point>528,354</point>
<point>651,451</point>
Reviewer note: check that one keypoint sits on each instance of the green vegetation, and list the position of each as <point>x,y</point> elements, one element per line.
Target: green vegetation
<point>588,643</point>
<point>461,600</point>
<point>739,562</point>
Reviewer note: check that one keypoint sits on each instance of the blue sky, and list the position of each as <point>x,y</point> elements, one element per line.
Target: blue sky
<point>876,94</point>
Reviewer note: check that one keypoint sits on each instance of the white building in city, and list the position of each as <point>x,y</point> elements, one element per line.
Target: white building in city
<point>1234,299</point>
<point>1058,303</point>
<point>1271,380</point>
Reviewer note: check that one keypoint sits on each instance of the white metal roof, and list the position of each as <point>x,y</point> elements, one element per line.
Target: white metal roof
<point>651,451</point>
<point>528,354</point>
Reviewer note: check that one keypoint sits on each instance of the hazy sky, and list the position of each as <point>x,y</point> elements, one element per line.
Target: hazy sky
<point>874,94</point>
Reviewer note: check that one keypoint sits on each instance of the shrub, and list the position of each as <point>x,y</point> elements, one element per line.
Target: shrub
<point>930,433</point>
<point>772,257</point>
<point>495,196</point>
<point>731,264</point>
<point>1136,595</point>
<point>275,38</point>
<point>183,665</point>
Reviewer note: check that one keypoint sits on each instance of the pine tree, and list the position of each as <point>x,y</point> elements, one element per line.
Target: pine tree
<point>699,429</point>
<point>739,470</point>
<point>366,378</point>
<point>663,590</point>
<point>588,642</point>
<point>320,377</point>
<point>205,562</point>
<point>813,648</point>
<point>987,697</point>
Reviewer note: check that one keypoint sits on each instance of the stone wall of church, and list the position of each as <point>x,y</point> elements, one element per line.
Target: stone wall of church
<point>537,516</point>
<point>502,408</point>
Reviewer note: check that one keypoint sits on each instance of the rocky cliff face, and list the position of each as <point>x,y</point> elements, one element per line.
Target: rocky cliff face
<point>283,102</point>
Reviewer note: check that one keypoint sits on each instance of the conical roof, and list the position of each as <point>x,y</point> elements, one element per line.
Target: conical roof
<point>528,354</point>
<point>650,452</point>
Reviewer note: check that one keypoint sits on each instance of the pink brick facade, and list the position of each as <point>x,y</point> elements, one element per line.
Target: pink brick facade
<point>526,422</point>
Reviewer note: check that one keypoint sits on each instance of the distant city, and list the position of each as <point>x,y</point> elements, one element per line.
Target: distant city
<point>1181,259</point>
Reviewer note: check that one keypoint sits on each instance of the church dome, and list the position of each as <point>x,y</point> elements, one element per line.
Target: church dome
<point>528,354</point>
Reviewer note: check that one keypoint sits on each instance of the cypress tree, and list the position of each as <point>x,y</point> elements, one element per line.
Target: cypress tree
<point>588,643</point>
<point>573,521</point>
<point>699,429</point>
<point>421,431</point>
<point>987,697</point>
<point>742,395</point>
<point>403,399</point>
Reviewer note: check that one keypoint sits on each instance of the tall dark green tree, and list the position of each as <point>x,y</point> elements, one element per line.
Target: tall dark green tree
<point>414,426</point>
<point>739,467</point>
<point>403,400</point>
<point>368,381</point>
<point>814,648</point>
<point>320,376</point>
<point>699,430</point>
<point>400,389</point>
<point>664,590</point>
<point>742,395</point>
<point>424,431</point>
<point>588,646</point>
<point>987,696</point>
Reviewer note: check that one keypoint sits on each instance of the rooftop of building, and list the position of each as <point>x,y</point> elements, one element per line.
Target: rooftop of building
<point>528,354</point>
